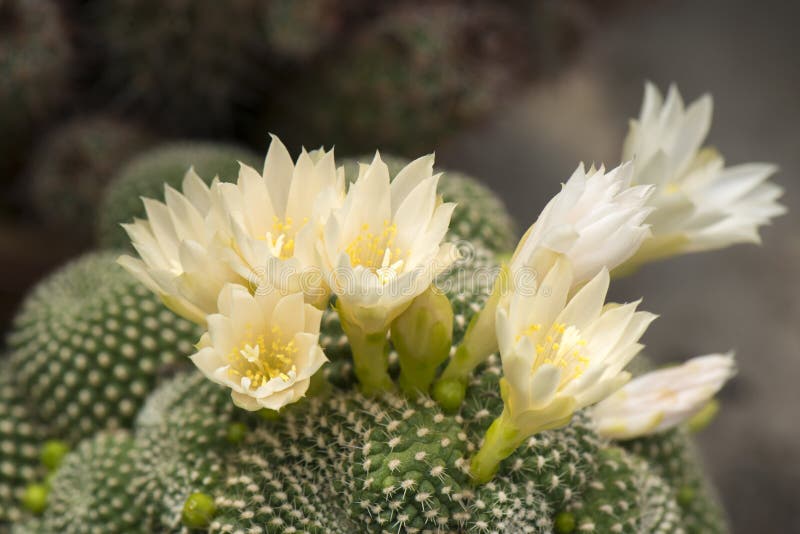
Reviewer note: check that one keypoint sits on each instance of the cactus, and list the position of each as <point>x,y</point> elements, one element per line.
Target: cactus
<point>407,77</point>
<point>88,346</point>
<point>146,175</point>
<point>35,55</point>
<point>346,462</point>
<point>179,61</point>
<point>73,165</point>
<point>20,439</point>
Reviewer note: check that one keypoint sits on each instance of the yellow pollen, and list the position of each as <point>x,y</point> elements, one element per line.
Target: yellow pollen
<point>281,236</point>
<point>259,359</point>
<point>561,347</point>
<point>376,252</point>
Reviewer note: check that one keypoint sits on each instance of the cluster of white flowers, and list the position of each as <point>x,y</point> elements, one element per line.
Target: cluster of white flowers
<point>235,257</point>
<point>257,261</point>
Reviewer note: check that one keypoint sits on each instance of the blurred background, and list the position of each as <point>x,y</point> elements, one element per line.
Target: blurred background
<point>513,92</point>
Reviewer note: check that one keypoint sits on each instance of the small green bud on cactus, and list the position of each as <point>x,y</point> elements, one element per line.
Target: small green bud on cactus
<point>199,510</point>
<point>53,452</point>
<point>236,433</point>
<point>449,393</point>
<point>565,523</point>
<point>422,336</point>
<point>34,499</point>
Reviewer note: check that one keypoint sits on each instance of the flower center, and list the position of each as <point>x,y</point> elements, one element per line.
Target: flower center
<point>376,252</point>
<point>257,360</point>
<point>563,347</point>
<point>281,237</point>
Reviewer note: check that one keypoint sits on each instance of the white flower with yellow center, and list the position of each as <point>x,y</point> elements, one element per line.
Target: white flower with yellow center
<point>276,219</point>
<point>596,220</point>
<point>382,249</point>
<point>699,203</point>
<point>182,250</point>
<point>559,354</point>
<point>663,399</point>
<point>264,347</point>
<point>261,231</point>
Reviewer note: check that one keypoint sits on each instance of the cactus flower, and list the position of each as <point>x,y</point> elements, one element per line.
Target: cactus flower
<point>261,231</point>
<point>265,348</point>
<point>596,221</point>
<point>559,355</point>
<point>382,248</point>
<point>663,399</point>
<point>699,203</point>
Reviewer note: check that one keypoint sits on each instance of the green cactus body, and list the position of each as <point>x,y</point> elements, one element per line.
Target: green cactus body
<point>91,492</point>
<point>147,174</point>
<point>35,55</point>
<point>20,439</point>
<point>88,346</point>
<point>75,163</point>
<point>672,455</point>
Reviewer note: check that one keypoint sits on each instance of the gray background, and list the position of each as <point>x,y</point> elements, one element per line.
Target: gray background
<point>745,297</point>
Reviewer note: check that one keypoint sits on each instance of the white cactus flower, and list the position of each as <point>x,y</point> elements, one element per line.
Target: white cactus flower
<point>596,220</point>
<point>276,220</point>
<point>181,250</point>
<point>264,347</point>
<point>560,354</point>
<point>699,203</point>
<point>663,399</point>
<point>383,246</point>
<point>260,232</point>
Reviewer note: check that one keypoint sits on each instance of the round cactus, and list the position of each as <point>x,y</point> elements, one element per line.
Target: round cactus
<point>88,345</point>
<point>35,56</point>
<point>180,61</point>
<point>75,163</point>
<point>20,439</point>
<point>91,492</point>
<point>148,173</point>
<point>345,461</point>
<point>406,78</point>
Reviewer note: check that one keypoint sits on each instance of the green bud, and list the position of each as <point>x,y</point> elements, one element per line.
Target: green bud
<point>236,433</point>
<point>449,393</point>
<point>703,418</point>
<point>198,510</point>
<point>269,415</point>
<point>34,499</point>
<point>52,453</point>
<point>422,336</point>
<point>685,495</point>
<point>564,523</point>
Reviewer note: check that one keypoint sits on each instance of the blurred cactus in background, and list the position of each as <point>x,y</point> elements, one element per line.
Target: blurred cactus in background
<point>74,163</point>
<point>35,56</point>
<point>188,65</point>
<point>148,173</point>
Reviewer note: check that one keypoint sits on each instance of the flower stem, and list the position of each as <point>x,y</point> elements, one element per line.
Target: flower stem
<point>370,360</point>
<point>480,341</point>
<point>501,440</point>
